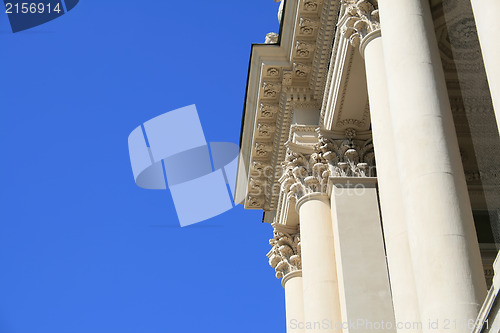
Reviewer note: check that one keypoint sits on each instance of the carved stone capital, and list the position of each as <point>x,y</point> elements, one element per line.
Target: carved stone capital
<point>284,256</point>
<point>361,17</point>
<point>309,173</point>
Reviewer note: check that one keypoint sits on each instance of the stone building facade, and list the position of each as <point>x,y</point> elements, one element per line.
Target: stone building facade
<point>370,141</point>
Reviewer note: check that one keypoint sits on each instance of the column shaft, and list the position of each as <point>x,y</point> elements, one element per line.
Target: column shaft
<point>445,254</point>
<point>294,301</point>
<point>319,274</point>
<point>404,294</point>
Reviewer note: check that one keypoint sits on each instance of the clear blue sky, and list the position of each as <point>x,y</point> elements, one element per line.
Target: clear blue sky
<point>82,248</point>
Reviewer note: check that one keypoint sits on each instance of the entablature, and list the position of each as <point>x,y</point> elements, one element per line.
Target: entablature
<point>283,76</point>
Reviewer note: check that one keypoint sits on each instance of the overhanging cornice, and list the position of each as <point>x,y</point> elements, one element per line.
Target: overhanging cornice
<point>291,73</point>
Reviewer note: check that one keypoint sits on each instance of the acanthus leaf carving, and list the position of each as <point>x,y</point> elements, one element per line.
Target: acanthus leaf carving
<point>349,157</point>
<point>362,18</point>
<point>285,256</point>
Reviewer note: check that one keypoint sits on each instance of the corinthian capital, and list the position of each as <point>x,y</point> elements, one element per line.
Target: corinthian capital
<point>361,18</point>
<point>284,256</point>
<point>348,157</point>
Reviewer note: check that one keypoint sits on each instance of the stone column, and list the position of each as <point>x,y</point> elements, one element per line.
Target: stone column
<point>488,26</point>
<point>294,302</point>
<point>445,255</point>
<point>321,293</point>
<point>284,257</point>
<point>363,28</point>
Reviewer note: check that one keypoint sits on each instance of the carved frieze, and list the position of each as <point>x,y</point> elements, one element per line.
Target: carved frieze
<point>284,256</point>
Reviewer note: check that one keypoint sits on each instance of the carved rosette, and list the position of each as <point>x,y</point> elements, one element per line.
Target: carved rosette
<point>284,256</point>
<point>304,174</point>
<point>268,110</point>
<point>362,17</point>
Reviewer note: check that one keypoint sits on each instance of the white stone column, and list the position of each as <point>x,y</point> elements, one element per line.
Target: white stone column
<point>294,301</point>
<point>404,295</point>
<point>319,274</point>
<point>488,26</point>
<point>284,257</point>
<point>445,255</point>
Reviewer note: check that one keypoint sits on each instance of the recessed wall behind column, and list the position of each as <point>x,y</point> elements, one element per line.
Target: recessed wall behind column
<point>473,115</point>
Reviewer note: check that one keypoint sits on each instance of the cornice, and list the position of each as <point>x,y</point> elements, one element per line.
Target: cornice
<point>284,74</point>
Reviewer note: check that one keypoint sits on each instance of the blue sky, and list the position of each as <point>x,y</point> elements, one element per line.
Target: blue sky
<point>82,248</point>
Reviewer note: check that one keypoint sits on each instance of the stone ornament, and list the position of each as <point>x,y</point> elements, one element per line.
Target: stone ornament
<point>265,129</point>
<point>311,5</point>
<point>304,49</point>
<point>262,149</point>
<point>307,26</point>
<point>271,38</point>
<point>304,174</point>
<point>301,70</point>
<point>362,18</point>
<point>271,89</point>
<point>268,110</point>
<point>284,256</point>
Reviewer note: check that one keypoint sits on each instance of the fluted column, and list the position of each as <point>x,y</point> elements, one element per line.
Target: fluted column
<point>445,254</point>
<point>364,16</point>
<point>319,274</point>
<point>284,257</point>
<point>488,25</point>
